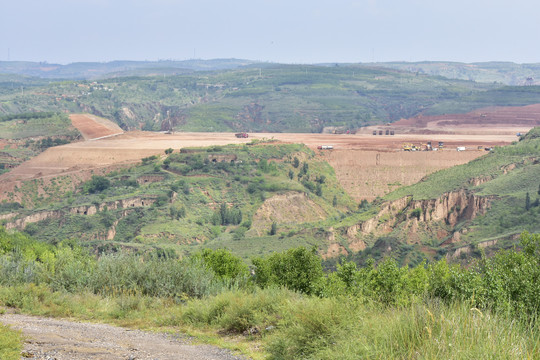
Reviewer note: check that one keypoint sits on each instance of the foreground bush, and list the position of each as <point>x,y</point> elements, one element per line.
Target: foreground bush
<point>239,311</point>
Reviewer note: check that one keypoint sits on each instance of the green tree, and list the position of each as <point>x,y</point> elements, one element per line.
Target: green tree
<point>298,269</point>
<point>96,184</point>
<point>527,201</point>
<point>273,229</point>
<point>318,190</point>
<point>296,163</point>
<point>223,263</point>
<point>305,168</point>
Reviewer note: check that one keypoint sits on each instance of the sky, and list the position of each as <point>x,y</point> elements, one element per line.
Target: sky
<point>284,31</point>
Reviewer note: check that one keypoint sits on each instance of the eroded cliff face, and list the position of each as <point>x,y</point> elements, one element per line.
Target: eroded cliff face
<point>20,221</point>
<point>450,208</point>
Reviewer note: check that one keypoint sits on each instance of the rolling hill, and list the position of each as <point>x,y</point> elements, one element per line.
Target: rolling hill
<point>265,98</point>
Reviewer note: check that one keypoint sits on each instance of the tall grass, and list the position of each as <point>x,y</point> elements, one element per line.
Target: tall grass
<point>342,329</point>
<point>10,343</point>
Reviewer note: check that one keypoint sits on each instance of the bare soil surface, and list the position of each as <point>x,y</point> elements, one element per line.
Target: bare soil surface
<point>366,174</point>
<point>93,127</point>
<point>492,120</point>
<point>48,339</point>
<point>107,147</point>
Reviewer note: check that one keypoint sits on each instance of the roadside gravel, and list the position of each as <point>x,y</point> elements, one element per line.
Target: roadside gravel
<point>54,339</point>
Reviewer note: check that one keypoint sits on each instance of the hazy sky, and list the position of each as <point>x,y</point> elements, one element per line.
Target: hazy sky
<point>291,31</point>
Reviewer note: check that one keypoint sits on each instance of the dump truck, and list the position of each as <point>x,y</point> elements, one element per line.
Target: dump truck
<point>241,135</point>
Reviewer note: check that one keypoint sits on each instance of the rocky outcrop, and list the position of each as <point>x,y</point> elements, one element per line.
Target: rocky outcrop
<point>7,216</point>
<point>470,248</point>
<point>21,222</point>
<point>452,208</point>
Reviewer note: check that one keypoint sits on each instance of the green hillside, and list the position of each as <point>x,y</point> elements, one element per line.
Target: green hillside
<point>487,72</point>
<point>24,135</point>
<point>260,198</point>
<point>223,196</point>
<point>495,198</point>
<point>265,97</point>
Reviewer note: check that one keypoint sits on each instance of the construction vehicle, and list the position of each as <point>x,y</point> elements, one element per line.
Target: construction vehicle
<point>374,132</point>
<point>325,147</point>
<point>441,144</point>
<point>428,146</point>
<point>407,147</point>
<point>241,135</point>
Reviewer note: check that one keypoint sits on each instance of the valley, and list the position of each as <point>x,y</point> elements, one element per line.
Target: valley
<point>362,198</point>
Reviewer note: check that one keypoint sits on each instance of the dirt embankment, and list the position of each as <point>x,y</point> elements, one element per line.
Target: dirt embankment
<point>93,127</point>
<point>366,174</point>
<point>48,339</point>
<point>450,208</point>
<point>20,221</point>
<point>492,120</point>
<point>288,208</point>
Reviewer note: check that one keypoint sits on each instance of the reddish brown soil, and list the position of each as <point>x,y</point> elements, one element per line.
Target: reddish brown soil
<point>493,120</point>
<point>93,127</point>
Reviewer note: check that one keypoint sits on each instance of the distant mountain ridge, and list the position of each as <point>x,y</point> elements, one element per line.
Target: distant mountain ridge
<point>95,70</point>
<point>484,72</point>
<point>508,73</point>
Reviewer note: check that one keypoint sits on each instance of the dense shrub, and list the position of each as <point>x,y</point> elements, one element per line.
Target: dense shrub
<point>298,269</point>
<point>96,184</point>
<point>223,263</point>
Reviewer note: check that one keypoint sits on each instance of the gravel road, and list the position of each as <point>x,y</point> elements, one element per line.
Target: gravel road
<point>54,339</point>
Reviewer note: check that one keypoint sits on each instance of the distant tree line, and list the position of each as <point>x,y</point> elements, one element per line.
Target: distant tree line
<point>28,116</point>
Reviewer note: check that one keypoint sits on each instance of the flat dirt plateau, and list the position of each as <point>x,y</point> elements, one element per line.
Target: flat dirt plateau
<point>47,339</point>
<point>366,165</point>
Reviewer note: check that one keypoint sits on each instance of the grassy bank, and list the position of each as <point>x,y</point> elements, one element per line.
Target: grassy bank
<point>10,343</point>
<point>279,324</point>
<point>286,307</point>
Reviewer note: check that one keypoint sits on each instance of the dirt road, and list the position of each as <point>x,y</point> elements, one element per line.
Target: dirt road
<point>67,340</point>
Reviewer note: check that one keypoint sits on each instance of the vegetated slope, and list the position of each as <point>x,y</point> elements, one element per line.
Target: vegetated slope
<point>487,72</point>
<point>223,196</point>
<point>94,70</point>
<point>25,135</point>
<point>288,307</point>
<point>272,98</point>
<point>486,202</point>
